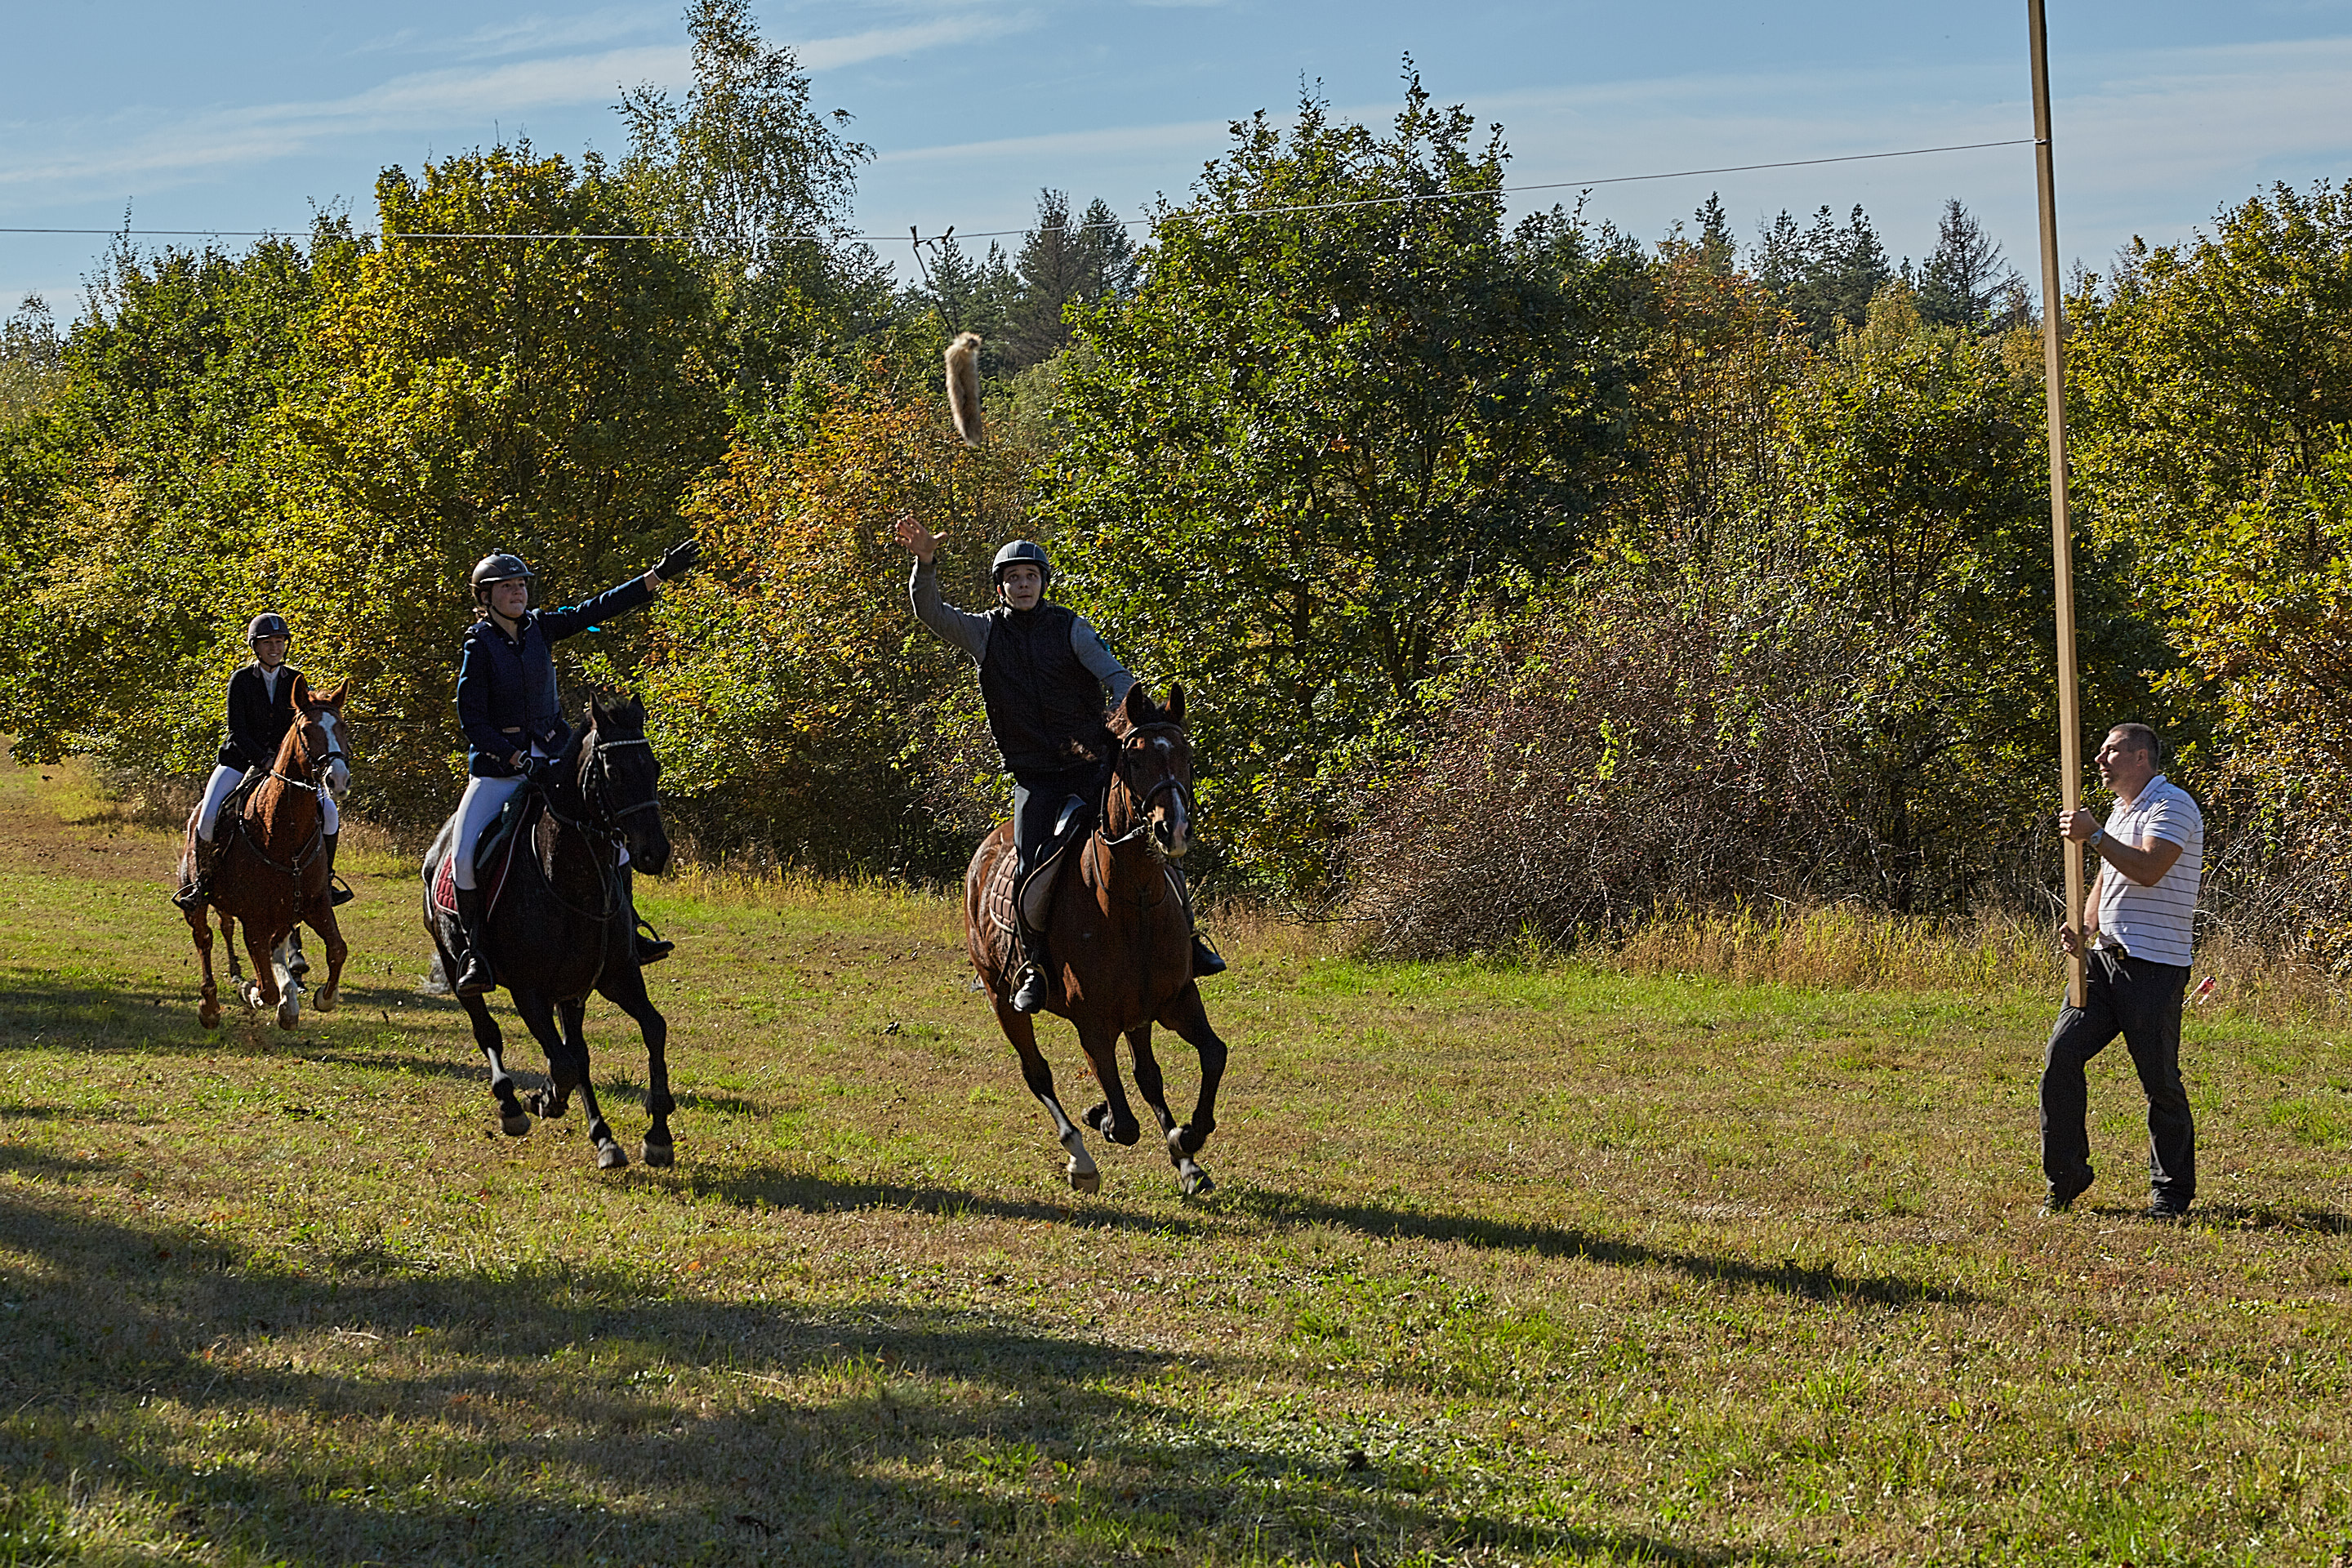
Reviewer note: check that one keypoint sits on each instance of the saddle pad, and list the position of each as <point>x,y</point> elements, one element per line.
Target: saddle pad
<point>997,915</point>
<point>491,877</point>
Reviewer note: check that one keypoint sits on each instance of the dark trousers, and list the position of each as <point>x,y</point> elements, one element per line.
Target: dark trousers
<point>1038,800</point>
<point>2141,1001</point>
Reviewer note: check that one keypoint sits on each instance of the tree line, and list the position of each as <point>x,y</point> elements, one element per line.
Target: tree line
<point>1526,577</point>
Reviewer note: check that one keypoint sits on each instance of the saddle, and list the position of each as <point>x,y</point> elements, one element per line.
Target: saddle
<point>493,854</point>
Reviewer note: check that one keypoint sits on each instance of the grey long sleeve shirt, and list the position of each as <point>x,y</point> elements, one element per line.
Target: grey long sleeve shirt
<point>970,632</point>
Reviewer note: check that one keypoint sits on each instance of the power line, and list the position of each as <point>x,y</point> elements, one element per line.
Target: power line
<point>1124,223</point>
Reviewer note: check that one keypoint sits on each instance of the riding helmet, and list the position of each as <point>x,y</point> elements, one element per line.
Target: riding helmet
<point>271,625</point>
<point>500,568</point>
<point>1021,553</point>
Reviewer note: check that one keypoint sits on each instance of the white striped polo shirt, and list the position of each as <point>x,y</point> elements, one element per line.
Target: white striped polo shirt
<point>2153,923</point>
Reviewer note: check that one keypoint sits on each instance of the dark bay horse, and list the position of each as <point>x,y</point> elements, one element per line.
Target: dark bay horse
<point>562,928</point>
<point>1120,941</point>
<point>270,870</point>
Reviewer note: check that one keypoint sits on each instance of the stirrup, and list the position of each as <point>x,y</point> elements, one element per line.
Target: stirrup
<point>651,946</point>
<point>1206,960</point>
<point>194,894</point>
<point>338,892</point>
<point>1029,997</point>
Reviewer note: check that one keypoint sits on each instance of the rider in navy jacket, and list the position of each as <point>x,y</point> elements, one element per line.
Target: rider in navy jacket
<point>507,707</point>
<point>506,684</point>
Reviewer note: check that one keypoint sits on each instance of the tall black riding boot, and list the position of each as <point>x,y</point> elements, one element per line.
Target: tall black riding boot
<point>199,888</point>
<point>1033,994</point>
<point>1206,960</point>
<point>336,896</point>
<point>651,945</point>
<point>473,974</point>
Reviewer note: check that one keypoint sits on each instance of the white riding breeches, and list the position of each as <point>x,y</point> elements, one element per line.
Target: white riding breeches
<point>475,811</point>
<point>224,780</point>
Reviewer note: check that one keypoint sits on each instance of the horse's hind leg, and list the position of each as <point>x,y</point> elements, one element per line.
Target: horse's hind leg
<point>538,1014</point>
<point>1194,1180</point>
<point>263,993</point>
<point>610,1156</point>
<point>1085,1176</point>
<point>511,1120</point>
<point>1190,1019</point>
<point>625,988</point>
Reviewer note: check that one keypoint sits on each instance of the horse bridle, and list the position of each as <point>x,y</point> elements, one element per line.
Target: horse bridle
<point>1182,790</point>
<point>601,779</point>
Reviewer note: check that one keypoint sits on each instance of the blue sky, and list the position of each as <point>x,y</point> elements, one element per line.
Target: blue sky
<point>243,116</point>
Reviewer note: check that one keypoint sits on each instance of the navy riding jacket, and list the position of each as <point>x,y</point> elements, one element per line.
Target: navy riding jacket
<point>505,686</point>
<point>258,718</point>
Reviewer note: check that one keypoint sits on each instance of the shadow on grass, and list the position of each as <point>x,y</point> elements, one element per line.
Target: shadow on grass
<point>170,1389</point>
<point>1823,1283</point>
<point>811,1192</point>
<point>2269,1216</point>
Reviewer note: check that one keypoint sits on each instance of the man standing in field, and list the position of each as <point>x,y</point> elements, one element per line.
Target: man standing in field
<point>2136,928</point>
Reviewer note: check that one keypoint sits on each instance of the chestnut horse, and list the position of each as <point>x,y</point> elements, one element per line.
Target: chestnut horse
<point>1120,941</point>
<point>270,870</point>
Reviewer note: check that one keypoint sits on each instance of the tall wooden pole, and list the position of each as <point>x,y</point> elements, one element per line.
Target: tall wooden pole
<point>2062,547</point>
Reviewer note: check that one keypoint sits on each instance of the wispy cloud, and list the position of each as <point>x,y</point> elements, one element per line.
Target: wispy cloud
<point>914,37</point>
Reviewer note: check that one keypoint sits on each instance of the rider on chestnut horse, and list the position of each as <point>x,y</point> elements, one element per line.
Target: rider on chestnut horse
<point>1042,668</point>
<point>507,706</point>
<point>260,712</point>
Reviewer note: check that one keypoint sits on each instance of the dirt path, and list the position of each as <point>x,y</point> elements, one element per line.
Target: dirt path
<point>53,822</point>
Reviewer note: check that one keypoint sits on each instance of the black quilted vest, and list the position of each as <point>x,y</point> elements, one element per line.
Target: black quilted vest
<point>1039,697</point>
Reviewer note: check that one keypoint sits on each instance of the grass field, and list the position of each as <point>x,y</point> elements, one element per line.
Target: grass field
<point>1533,1263</point>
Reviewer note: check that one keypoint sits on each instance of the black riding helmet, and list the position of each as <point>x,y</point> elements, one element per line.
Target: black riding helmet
<point>1021,553</point>
<point>268,624</point>
<point>500,568</point>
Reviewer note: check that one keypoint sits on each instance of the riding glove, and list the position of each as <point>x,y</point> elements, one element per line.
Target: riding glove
<point>679,560</point>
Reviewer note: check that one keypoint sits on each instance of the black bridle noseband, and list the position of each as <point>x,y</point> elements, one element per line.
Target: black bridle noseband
<point>602,821</point>
<point>1141,800</point>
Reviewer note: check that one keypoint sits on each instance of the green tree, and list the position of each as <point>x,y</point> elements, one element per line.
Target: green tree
<point>759,184</point>
<point>1064,260</point>
<point>548,396</point>
<point>1826,274</point>
<point>1964,282</point>
<point>1316,435</point>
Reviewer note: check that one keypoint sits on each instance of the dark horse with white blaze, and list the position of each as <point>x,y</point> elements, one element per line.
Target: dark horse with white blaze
<point>272,871</point>
<point>1120,940</point>
<point>562,928</point>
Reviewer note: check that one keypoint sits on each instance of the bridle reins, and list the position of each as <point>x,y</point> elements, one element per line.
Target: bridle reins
<point>1140,803</point>
<point>316,782</point>
<point>602,822</point>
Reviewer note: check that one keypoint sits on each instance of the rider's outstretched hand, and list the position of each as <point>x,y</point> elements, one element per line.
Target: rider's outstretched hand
<point>679,560</point>
<point>919,540</point>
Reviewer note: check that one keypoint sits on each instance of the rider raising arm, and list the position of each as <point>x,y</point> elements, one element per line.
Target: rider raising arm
<point>507,707</point>
<point>1043,672</point>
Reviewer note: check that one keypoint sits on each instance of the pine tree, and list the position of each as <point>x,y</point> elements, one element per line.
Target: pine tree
<point>1965,279</point>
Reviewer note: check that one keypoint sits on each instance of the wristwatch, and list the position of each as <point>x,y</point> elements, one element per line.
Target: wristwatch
<point>2097,837</point>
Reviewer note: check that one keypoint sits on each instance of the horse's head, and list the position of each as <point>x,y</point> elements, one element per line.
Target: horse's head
<point>325,709</point>
<point>622,780</point>
<point>313,745</point>
<point>1152,771</point>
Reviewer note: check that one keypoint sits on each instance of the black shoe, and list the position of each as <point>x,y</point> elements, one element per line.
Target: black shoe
<point>2167,1213</point>
<point>475,976</point>
<point>1031,996</point>
<point>2060,1200</point>
<point>651,947</point>
<point>1206,960</point>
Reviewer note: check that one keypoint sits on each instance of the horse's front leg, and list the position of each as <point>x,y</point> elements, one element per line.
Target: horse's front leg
<point>229,940</point>
<point>1114,1117</point>
<point>511,1120</point>
<point>321,918</point>
<point>1189,1177</point>
<point>610,1156</point>
<point>1084,1176</point>
<point>625,988</point>
<point>200,928</point>
<point>538,1014</point>
<point>1190,1019</point>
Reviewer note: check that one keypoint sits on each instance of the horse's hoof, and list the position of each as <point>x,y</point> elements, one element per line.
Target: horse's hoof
<point>611,1156</point>
<point>1196,1183</point>
<point>1190,1137</point>
<point>663,1154</point>
<point>209,1017</point>
<point>324,1001</point>
<point>1125,1134</point>
<point>290,1012</point>
<point>1086,1181</point>
<point>1098,1119</point>
<point>515,1125</point>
